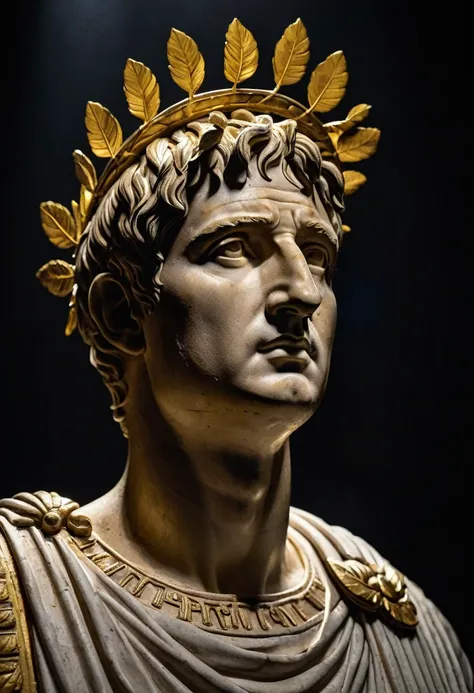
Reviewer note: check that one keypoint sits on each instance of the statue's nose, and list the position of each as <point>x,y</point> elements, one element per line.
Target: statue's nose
<point>296,291</point>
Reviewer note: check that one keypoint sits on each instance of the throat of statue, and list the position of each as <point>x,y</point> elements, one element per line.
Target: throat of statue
<point>207,519</point>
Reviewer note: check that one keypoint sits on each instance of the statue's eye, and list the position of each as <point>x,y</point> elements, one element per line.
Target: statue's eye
<point>231,252</point>
<point>232,249</point>
<point>315,256</point>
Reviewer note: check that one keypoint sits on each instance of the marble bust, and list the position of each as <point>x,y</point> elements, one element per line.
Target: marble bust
<point>203,289</point>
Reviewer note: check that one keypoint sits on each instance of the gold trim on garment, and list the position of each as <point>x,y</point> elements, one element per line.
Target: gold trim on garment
<point>16,659</point>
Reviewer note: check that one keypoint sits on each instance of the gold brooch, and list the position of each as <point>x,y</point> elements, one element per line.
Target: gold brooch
<point>375,588</point>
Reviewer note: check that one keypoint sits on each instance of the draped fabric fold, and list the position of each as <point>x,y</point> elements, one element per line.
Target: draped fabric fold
<point>90,635</point>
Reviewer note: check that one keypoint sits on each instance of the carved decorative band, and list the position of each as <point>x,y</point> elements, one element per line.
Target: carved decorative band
<point>16,667</point>
<point>10,670</point>
<point>211,612</point>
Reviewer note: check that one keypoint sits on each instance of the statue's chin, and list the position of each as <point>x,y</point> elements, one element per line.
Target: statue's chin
<point>286,386</point>
<point>250,403</point>
<point>289,388</point>
<point>280,379</point>
<point>284,400</point>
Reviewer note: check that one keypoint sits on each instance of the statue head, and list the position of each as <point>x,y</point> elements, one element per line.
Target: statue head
<point>212,265</point>
<point>205,251</point>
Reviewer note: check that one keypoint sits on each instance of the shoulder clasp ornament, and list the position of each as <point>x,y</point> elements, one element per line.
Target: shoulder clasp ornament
<point>48,511</point>
<point>376,588</point>
<point>16,662</point>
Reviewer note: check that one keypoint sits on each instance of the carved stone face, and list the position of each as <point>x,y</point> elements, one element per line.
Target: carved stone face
<point>246,318</point>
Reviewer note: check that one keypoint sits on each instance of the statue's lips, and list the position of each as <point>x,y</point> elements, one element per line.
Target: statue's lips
<point>288,354</point>
<point>289,344</point>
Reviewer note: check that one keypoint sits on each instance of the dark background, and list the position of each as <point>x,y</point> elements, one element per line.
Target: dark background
<point>388,453</point>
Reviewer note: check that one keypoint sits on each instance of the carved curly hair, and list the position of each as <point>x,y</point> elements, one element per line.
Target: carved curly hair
<point>141,214</point>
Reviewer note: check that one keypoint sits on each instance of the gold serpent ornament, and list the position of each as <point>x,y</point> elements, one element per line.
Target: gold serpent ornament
<point>342,141</point>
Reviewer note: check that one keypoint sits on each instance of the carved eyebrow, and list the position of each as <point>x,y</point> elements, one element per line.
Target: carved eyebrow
<point>262,219</point>
<point>323,228</point>
<point>231,222</point>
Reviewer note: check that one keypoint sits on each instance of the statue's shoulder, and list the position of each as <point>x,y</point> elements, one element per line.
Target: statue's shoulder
<point>16,661</point>
<point>363,573</point>
<point>366,578</point>
<point>334,541</point>
<point>46,510</point>
<point>26,522</point>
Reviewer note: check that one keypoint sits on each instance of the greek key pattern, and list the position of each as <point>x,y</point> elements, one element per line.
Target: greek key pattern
<point>223,615</point>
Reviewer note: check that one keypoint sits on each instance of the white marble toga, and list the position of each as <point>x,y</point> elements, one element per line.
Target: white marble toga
<point>90,635</point>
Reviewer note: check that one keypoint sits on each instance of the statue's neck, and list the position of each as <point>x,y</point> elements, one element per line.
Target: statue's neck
<point>213,518</point>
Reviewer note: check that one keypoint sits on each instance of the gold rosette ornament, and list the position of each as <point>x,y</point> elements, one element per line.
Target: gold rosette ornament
<point>375,588</point>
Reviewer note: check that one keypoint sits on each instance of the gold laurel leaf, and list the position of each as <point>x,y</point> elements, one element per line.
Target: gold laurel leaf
<point>358,145</point>
<point>354,585</point>
<point>57,276</point>
<point>8,644</point>
<point>334,137</point>
<point>141,90</point>
<point>71,321</point>
<point>404,613</point>
<point>58,224</point>
<point>7,619</point>
<point>85,171</point>
<point>186,63</point>
<point>346,229</point>
<point>352,181</point>
<point>240,53</point>
<point>85,198</point>
<point>328,83</point>
<point>360,570</point>
<point>291,55</point>
<point>77,218</point>
<point>11,678</point>
<point>355,115</point>
<point>103,130</point>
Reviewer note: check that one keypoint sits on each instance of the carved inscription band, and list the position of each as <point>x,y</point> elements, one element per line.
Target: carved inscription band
<point>212,612</point>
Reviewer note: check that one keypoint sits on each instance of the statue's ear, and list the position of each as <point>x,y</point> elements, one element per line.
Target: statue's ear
<point>109,305</point>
